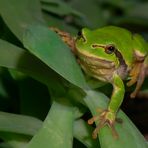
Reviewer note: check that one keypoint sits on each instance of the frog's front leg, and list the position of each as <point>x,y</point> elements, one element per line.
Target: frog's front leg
<point>108,116</point>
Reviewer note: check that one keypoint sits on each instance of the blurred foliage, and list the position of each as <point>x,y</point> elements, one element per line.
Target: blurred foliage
<point>40,79</point>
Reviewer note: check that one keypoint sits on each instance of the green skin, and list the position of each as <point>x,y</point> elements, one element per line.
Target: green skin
<point>112,54</point>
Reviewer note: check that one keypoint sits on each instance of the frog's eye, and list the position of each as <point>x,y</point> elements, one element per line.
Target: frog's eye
<point>109,49</point>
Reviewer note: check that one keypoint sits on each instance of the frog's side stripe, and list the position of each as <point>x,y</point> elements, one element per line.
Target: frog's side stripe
<point>122,69</point>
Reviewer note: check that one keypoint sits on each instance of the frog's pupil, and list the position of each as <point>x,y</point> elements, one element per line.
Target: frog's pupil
<point>110,49</point>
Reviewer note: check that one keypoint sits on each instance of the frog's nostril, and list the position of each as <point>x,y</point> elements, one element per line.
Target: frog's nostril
<point>81,36</point>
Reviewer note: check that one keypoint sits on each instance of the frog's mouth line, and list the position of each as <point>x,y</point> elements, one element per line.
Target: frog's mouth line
<point>95,62</point>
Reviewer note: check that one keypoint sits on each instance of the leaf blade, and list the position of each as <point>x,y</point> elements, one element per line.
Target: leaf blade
<point>28,12</point>
<point>16,58</point>
<point>19,123</point>
<point>54,133</point>
<point>82,132</point>
<point>48,47</point>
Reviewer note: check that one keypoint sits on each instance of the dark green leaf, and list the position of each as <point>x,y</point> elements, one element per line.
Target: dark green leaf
<point>30,126</point>
<point>92,11</point>
<point>19,123</point>
<point>59,8</point>
<point>139,10</point>
<point>82,131</point>
<point>16,58</point>
<point>59,23</point>
<point>50,49</point>
<point>13,144</point>
<point>57,128</point>
<point>65,14</point>
<point>19,14</point>
<point>13,140</point>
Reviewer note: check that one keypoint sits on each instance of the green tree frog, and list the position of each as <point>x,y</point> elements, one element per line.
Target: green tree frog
<point>111,54</point>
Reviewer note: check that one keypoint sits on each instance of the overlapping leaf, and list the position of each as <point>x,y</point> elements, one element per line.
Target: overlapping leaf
<point>49,48</point>
<point>19,14</point>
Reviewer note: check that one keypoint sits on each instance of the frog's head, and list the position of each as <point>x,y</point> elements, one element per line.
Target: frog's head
<point>97,48</point>
<point>100,53</point>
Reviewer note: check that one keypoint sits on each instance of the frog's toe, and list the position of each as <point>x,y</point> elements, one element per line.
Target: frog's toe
<point>106,118</point>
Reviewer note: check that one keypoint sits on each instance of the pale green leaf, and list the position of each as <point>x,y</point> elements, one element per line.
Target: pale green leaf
<point>57,129</point>
<point>15,123</point>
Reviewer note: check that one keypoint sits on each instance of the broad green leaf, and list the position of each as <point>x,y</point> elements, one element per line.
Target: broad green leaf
<point>120,4</point>
<point>59,8</point>
<point>57,129</point>
<point>139,10</point>
<point>13,144</point>
<point>64,14</point>
<point>92,10</point>
<point>30,126</point>
<point>58,23</point>
<point>16,123</point>
<point>16,58</point>
<point>82,131</point>
<point>12,140</point>
<point>129,136</point>
<point>18,14</point>
<point>49,48</point>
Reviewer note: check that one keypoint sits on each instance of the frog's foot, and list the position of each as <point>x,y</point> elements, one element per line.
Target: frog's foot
<point>106,118</point>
